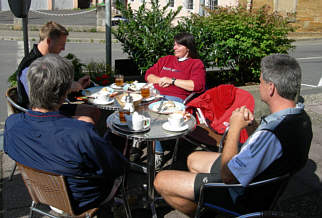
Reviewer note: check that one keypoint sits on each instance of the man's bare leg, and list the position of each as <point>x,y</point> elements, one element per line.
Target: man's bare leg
<point>177,189</point>
<point>201,161</point>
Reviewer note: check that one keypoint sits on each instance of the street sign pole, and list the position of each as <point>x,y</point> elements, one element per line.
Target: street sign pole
<point>108,32</point>
<point>20,9</point>
<point>25,34</point>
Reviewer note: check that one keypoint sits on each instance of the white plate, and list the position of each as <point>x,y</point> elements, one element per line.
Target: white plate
<point>168,127</point>
<point>149,98</point>
<point>136,97</point>
<point>114,86</point>
<point>97,90</point>
<point>136,86</point>
<point>155,106</point>
<point>100,101</point>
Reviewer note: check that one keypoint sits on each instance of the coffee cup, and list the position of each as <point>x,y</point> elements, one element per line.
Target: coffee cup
<point>175,120</point>
<point>138,121</point>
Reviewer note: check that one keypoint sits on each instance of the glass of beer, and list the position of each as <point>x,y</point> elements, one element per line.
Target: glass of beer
<point>122,116</point>
<point>119,79</point>
<point>145,92</point>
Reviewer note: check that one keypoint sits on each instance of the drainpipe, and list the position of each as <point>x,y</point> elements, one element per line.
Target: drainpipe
<point>201,10</point>
<point>249,5</point>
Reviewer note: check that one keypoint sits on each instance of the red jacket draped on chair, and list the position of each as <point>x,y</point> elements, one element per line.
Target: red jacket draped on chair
<point>218,103</point>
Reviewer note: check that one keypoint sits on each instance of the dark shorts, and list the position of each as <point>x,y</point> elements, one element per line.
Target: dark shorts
<point>68,109</point>
<point>217,196</point>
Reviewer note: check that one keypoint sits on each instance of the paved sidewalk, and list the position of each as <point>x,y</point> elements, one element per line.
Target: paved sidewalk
<point>302,197</point>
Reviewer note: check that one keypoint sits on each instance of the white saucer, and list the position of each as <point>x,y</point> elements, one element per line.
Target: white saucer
<point>114,86</point>
<point>168,127</point>
<point>100,101</point>
<point>149,98</point>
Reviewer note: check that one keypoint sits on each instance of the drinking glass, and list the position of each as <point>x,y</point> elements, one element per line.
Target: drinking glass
<point>119,79</point>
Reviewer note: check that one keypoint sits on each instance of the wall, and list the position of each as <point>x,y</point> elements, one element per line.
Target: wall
<point>62,4</point>
<point>228,3</point>
<point>306,15</point>
<point>135,4</point>
<point>4,5</point>
<point>309,15</point>
<point>43,4</point>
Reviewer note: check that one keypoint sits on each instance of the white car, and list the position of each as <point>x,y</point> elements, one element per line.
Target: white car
<point>116,19</point>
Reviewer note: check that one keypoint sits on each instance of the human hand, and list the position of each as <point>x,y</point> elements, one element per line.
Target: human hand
<point>84,81</point>
<point>241,117</point>
<point>76,86</point>
<point>165,82</point>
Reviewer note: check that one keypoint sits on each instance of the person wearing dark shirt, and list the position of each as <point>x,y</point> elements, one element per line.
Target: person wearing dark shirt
<point>52,39</point>
<point>44,139</point>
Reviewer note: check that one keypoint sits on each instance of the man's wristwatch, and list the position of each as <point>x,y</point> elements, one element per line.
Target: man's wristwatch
<point>173,80</point>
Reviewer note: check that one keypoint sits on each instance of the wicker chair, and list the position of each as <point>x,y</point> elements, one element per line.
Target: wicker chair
<point>12,98</point>
<point>15,108</point>
<point>50,189</point>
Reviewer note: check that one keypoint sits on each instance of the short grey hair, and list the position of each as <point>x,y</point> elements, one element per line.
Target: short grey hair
<point>284,72</point>
<point>49,79</point>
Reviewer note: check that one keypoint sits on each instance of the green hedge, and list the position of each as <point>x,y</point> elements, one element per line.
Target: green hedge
<point>232,39</point>
<point>236,40</point>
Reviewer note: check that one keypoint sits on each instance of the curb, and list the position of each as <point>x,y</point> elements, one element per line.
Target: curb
<point>300,36</point>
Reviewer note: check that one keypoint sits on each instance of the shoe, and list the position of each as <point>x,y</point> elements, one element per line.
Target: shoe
<point>135,154</point>
<point>158,160</point>
<point>56,210</point>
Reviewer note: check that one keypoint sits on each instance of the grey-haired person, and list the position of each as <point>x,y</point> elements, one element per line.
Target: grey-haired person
<point>279,145</point>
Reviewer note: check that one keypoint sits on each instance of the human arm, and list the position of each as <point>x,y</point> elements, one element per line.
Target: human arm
<point>184,84</point>
<point>100,155</point>
<point>82,83</point>
<point>189,75</point>
<point>239,119</point>
<point>24,80</point>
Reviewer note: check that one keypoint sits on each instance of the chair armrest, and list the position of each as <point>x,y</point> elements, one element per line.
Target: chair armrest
<point>15,105</point>
<point>253,184</point>
<point>189,97</point>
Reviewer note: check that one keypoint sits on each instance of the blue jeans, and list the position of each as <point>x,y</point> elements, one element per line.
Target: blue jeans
<point>158,146</point>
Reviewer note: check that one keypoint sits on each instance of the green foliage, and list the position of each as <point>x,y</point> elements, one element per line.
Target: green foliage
<point>13,79</point>
<point>100,72</point>
<point>147,34</point>
<point>235,40</point>
<point>78,66</point>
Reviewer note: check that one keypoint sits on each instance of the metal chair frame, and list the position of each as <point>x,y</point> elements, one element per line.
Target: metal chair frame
<point>202,204</point>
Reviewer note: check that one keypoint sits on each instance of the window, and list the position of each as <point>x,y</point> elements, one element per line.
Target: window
<point>190,4</point>
<point>171,3</point>
<point>212,4</point>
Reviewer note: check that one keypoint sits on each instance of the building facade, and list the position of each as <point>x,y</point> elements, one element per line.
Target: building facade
<point>306,15</point>
<point>188,6</point>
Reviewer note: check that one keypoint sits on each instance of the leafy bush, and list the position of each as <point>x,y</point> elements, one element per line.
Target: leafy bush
<point>78,66</point>
<point>147,34</point>
<point>236,40</point>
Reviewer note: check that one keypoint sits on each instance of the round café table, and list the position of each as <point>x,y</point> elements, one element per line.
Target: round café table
<point>155,133</point>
